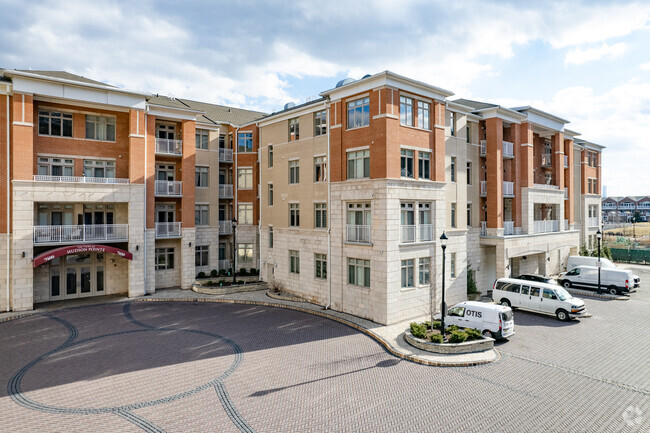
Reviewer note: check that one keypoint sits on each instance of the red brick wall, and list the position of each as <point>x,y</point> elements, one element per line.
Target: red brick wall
<point>188,172</point>
<point>4,166</point>
<point>249,160</point>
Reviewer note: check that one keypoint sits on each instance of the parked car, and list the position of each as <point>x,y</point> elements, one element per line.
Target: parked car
<point>614,281</point>
<point>492,320</point>
<point>539,297</point>
<point>575,261</point>
<point>538,278</point>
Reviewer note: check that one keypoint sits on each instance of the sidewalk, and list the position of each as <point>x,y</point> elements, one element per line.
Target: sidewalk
<point>390,337</point>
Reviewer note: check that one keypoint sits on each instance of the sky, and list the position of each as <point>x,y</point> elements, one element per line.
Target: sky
<point>585,61</point>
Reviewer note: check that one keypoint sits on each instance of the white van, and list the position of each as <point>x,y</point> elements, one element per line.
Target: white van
<point>575,261</point>
<point>540,297</point>
<point>492,320</point>
<point>614,281</point>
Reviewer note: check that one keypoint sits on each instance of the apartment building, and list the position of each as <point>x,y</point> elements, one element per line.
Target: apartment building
<point>357,188</point>
<point>622,209</point>
<point>108,190</point>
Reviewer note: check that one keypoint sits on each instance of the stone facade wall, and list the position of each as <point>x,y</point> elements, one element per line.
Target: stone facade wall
<point>4,301</point>
<point>208,236</point>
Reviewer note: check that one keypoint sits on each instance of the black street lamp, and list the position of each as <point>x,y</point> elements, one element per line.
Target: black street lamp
<point>599,236</point>
<point>443,308</point>
<point>234,249</point>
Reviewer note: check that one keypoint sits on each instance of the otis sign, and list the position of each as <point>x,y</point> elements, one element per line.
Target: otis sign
<point>79,249</point>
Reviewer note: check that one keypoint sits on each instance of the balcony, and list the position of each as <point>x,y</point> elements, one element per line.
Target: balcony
<point>78,179</point>
<point>81,233</point>
<point>408,234</point>
<point>566,193</point>
<point>483,228</point>
<point>546,226</point>
<point>508,189</point>
<point>168,230</point>
<point>483,146</point>
<point>225,191</point>
<point>566,224</point>
<point>593,221</point>
<point>166,146</point>
<point>225,228</point>
<point>508,150</point>
<point>169,188</point>
<point>508,228</point>
<point>483,188</point>
<point>225,155</point>
<point>547,160</point>
<point>566,161</point>
<point>359,234</point>
<point>545,186</point>
<point>426,232</point>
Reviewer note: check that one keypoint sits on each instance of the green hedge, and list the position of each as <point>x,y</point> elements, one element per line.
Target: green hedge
<point>631,256</point>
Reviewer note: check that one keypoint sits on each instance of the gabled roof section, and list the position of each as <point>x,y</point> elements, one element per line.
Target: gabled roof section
<point>208,113</point>
<point>64,76</point>
<point>529,109</point>
<point>476,105</point>
<point>296,108</point>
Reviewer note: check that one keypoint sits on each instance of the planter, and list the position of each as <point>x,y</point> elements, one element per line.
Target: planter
<point>226,290</point>
<point>466,347</point>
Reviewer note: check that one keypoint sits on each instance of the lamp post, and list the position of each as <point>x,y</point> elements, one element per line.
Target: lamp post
<point>443,308</point>
<point>234,249</point>
<point>599,236</point>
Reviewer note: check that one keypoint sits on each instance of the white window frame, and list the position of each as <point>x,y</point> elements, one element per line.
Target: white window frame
<point>100,128</point>
<point>359,272</point>
<point>358,113</point>
<point>294,214</point>
<point>424,115</point>
<point>320,169</point>
<point>47,165</point>
<point>406,111</point>
<point>424,270</point>
<point>201,214</point>
<point>294,262</point>
<point>247,257</point>
<point>202,176</point>
<point>201,256</point>
<point>294,129</point>
<point>408,273</point>
<point>65,118</point>
<point>245,213</point>
<point>406,157</point>
<point>424,160</point>
<point>245,178</point>
<point>320,123</point>
<point>202,139</point>
<point>246,138</point>
<point>353,165</point>
<point>294,172</point>
<point>320,215</point>
<point>167,262</point>
<point>320,266</point>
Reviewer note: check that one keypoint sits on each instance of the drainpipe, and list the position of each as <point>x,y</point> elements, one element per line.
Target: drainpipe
<point>235,165</point>
<point>146,290</point>
<point>259,204</point>
<point>329,210</point>
<point>8,201</point>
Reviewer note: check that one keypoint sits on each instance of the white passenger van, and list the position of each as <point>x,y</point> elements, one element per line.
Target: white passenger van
<point>492,320</point>
<point>540,297</point>
<point>614,281</point>
<point>575,261</point>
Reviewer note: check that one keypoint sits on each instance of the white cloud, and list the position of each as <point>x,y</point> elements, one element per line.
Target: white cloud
<point>578,56</point>
<point>645,66</point>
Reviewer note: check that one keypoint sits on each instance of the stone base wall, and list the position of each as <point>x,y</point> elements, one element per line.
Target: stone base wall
<point>166,278</point>
<point>4,300</point>
<point>208,236</point>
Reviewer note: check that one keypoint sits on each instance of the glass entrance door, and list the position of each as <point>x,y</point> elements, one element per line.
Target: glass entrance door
<point>77,275</point>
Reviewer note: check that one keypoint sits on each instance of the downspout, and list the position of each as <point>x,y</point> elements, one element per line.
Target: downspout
<point>8,201</point>
<point>235,165</point>
<point>146,290</point>
<point>259,203</point>
<point>329,210</point>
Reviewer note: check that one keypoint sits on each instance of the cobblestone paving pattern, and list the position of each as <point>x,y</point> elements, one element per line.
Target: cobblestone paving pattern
<point>189,366</point>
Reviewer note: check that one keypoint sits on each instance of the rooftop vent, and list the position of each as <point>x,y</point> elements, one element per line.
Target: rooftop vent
<point>289,105</point>
<point>366,76</point>
<point>344,82</point>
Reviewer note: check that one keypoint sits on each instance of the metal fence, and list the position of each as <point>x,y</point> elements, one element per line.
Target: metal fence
<point>631,255</point>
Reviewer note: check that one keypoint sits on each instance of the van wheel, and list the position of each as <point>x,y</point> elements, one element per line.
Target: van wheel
<point>562,315</point>
<point>613,290</point>
<point>487,333</point>
<point>566,283</point>
<point>505,302</point>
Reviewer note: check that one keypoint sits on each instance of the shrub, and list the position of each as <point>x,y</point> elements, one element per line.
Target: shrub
<point>473,334</point>
<point>436,324</point>
<point>419,330</point>
<point>213,273</point>
<point>471,282</point>
<point>240,282</point>
<point>222,273</point>
<point>254,271</point>
<point>276,286</point>
<point>428,324</point>
<point>458,337</point>
<point>243,271</point>
<point>451,328</point>
<point>208,283</point>
<point>201,275</point>
<point>436,338</point>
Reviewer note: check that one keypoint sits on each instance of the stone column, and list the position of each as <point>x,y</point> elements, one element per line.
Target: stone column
<point>569,205</point>
<point>438,143</point>
<point>494,162</point>
<point>557,147</point>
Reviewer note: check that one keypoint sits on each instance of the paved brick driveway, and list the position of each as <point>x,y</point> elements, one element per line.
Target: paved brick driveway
<point>224,367</point>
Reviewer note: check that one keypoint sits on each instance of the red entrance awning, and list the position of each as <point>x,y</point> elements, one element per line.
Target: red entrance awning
<point>77,249</point>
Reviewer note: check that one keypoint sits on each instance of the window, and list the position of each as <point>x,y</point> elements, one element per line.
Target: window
<point>453,215</point>
<point>201,215</point>
<point>245,142</point>
<point>453,169</point>
<point>270,156</point>
<point>548,294</point>
<point>406,111</point>
<point>245,178</point>
<point>457,312</point>
<point>452,265</point>
<point>320,214</point>
<point>100,128</point>
<point>294,215</point>
<point>270,237</point>
<point>424,165</point>
<point>294,171</point>
<point>164,258</point>
<point>320,123</point>
<point>407,273</point>
<point>469,214</point>
<point>294,262</point>
<point>201,255</point>
<point>54,123</point>
<point>104,169</point>
<point>245,253</point>
<point>202,138</point>
<point>359,272</point>
<point>270,194</point>
<point>423,115</point>
<point>359,164</point>
<point>201,177</point>
<point>294,129</point>
<point>469,172</point>
<point>222,141</point>
<point>320,266</point>
<point>407,220</point>
<point>55,167</point>
<point>359,113</point>
<point>452,123</point>
<point>406,163</point>
<point>467,132</point>
<point>245,213</point>
<point>320,169</point>
<point>424,270</point>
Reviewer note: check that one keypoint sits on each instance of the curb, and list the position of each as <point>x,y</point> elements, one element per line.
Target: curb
<point>388,347</point>
<point>596,295</point>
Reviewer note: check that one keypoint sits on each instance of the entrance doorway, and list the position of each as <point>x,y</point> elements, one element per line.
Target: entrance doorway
<point>77,276</point>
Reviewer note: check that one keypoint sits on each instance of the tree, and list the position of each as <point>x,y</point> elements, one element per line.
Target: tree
<point>471,281</point>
